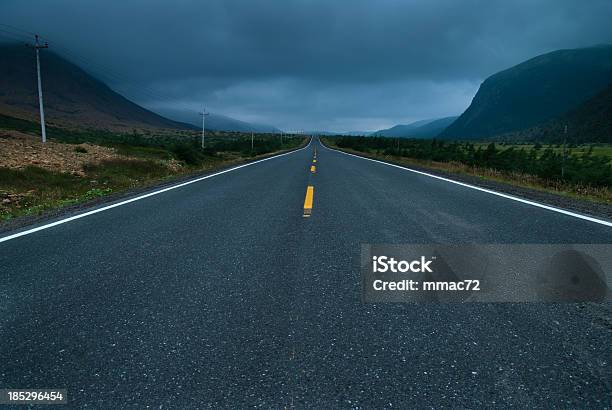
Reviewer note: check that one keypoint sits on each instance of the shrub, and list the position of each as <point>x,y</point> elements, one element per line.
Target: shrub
<point>585,169</point>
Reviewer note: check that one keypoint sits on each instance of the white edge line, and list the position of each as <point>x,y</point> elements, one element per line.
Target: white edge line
<point>513,198</point>
<point>127,201</point>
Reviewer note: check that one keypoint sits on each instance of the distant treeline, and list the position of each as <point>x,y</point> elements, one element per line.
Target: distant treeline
<point>584,168</point>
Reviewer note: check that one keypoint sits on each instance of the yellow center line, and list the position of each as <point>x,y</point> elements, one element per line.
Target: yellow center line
<point>308,201</point>
<point>314,160</point>
<point>312,168</point>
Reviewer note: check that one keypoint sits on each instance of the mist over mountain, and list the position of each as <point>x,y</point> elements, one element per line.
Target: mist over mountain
<point>534,99</point>
<point>73,97</point>
<point>217,121</point>
<point>351,133</point>
<point>534,92</point>
<point>356,133</point>
<point>400,130</point>
<point>419,129</point>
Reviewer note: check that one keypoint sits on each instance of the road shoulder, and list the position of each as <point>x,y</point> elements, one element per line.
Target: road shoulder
<point>597,210</point>
<point>51,215</point>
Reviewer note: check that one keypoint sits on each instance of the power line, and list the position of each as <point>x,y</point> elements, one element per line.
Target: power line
<point>12,36</point>
<point>105,72</point>
<point>25,32</point>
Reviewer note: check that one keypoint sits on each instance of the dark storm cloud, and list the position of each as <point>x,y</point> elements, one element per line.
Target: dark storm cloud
<point>312,64</point>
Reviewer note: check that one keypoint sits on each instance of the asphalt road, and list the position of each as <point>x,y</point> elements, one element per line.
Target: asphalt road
<point>222,294</point>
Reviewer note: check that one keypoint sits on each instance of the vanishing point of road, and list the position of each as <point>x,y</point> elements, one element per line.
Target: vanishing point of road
<point>243,289</point>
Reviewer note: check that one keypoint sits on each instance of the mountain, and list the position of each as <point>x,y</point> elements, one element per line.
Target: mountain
<point>419,129</point>
<point>400,130</point>
<point>432,129</point>
<point>218,122</point>
<point>589,122</point>
<point>534,92</point>
<point>353,133</point>
<point>357,133</point>
<point>72,97</point>
<point>323,133</point>
<point>223,123</point>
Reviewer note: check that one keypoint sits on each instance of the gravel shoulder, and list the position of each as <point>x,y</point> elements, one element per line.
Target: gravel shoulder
<point>21,150</point>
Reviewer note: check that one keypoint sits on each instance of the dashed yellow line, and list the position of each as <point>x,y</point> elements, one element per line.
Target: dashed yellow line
<point>314,160</point>
<point>308,201</point>
<point>313,168</point>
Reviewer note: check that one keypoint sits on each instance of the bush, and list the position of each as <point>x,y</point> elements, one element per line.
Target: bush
<point>191,154</point>
<point>96,192</point>
<point>124,172</point>
<point>586,169</point>
<point>38,179</point>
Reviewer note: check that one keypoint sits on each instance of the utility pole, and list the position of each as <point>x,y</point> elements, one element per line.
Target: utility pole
<point>564,152</point>
<point>204,114</point>
<point>37,46</point>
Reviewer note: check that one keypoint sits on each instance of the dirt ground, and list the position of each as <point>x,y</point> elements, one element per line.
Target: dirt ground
<point>19,150</point>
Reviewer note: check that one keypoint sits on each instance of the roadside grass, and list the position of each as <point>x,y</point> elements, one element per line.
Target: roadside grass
<point>32,190</point>
<point>126,173</point>
<point>601,194</point>
<point>143,152</point>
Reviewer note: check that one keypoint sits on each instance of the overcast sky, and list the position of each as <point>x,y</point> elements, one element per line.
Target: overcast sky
<point>315,65</point>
